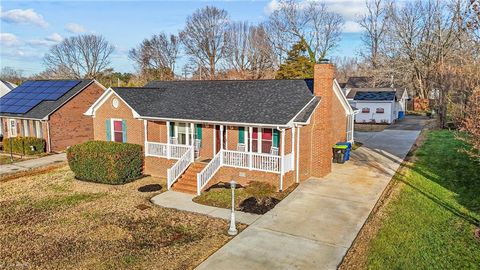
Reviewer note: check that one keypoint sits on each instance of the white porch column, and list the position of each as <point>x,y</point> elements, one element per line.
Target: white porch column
<point>145,128</point>
<point>168,139</point>
<point>282,156</point>
<point>187,134</point>
<point>250,156</point>
<point>192,128</point>
<point>297,157</point>
<point>221,137</point>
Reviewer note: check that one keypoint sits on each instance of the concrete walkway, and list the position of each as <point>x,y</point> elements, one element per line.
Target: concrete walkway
<point>32,163</point>
<point>182,201</point>
<point>316,224</point>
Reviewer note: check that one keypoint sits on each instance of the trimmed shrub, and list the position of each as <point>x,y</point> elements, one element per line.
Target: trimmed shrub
<point>106,162</point>
<point>23,145</point>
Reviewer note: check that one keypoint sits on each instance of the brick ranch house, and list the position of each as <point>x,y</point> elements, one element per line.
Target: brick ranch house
<point>197,133</point>
<point>52,110</point>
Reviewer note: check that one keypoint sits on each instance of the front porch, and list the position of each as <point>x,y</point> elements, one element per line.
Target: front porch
<point>246,148</point>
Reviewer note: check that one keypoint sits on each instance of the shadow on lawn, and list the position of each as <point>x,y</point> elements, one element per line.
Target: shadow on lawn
<point>443,161</point>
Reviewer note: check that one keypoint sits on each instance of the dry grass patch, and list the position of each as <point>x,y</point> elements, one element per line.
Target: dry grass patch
<point>52,221</point>
<point>370,127</point>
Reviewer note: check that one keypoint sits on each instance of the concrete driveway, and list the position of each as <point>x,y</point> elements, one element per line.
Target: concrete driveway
<point>316,224</point>
<point>32,163</point>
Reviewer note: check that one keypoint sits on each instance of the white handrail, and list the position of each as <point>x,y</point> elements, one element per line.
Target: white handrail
<point>175,151</point>
<point>179,167</point>
<point>209,171</point>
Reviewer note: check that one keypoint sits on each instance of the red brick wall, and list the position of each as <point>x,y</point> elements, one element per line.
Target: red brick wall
<point>135,127</point>
<point>68,125</point>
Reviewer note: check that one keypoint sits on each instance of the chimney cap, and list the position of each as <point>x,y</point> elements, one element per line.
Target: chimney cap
<point>324,61</point>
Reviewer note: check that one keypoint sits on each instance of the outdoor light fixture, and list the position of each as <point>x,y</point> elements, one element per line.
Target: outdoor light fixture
<point>232,230</point>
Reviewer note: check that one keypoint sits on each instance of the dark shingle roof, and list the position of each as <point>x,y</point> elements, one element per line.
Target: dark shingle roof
<point>303,116</point>
<point>379,95</point>
<point>398,92</point>
<point>273,102</point>
<point>45,107</point>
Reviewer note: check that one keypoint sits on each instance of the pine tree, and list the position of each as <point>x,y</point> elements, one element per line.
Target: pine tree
<point>297,65</point>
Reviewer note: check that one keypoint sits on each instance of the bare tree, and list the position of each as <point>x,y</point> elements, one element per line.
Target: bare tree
<point>156,57</point>
<point>204,37</point>
<point>308,20</point>
<point>374,24</point>
<point>82,56</point>
<point>248,52</point>
<point>12,75</point>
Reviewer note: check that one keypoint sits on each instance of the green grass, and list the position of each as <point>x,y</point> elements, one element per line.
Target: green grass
<point>430,224</point>
<point>64,201</point>
<point>222,197</point>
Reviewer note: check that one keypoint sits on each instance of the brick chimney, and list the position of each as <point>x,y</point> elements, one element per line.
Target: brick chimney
<point>322,130</point>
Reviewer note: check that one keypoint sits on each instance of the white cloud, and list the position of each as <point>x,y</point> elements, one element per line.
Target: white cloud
<point>55,37</point>
<point>349,9</point>
<point>74,28</point>
<point>8,39</point>
<point>25,16</point>
<point>352,27</point>
<point>47,41</point>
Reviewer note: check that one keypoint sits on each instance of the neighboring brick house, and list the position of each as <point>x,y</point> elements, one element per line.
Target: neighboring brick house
<point>51,109</point>
<point>197,133</point>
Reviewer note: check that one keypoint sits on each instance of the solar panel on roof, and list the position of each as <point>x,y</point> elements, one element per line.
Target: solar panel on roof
<point>31,93</point>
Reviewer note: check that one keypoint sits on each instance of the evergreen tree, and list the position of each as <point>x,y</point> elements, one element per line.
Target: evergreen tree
<point>297,65</point>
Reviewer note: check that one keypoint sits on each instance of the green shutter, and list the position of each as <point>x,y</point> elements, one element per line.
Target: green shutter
<point>241,135</point>
<point>172,129</point>
<point>199,133</point>
<point>107,128</point>
<point>124,130</point>
<point>276,138</point>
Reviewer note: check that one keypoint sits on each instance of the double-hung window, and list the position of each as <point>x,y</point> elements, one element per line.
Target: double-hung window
<point>263,140</point>
<point>26,128</point>
<point>12,127</point>
<point>117,130</point>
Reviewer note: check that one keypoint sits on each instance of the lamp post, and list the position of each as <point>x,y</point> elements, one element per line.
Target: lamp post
<point>232,230</point>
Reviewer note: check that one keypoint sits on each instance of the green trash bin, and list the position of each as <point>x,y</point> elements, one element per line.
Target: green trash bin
<point>339,152</point>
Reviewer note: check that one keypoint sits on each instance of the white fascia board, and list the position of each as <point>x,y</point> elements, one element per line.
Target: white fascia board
<point>212,122</point>
<point>341,96</point>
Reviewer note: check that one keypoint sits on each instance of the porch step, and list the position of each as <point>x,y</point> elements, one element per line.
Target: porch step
<point>188,181</point>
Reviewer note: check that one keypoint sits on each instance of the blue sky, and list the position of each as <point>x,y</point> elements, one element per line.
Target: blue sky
<point>29,28</point>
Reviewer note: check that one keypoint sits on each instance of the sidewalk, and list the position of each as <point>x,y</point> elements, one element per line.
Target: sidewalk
<point>317,223</point>
<point>32,163</point>
<point>183,201</point>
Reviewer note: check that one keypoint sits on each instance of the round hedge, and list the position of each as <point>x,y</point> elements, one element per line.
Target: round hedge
<point>106,162</point>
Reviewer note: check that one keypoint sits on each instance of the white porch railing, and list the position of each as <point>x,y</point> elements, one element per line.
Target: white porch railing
<point>175,151</point>
<point>243,160</point>
<point>209,171</point>
<point>180,166</point>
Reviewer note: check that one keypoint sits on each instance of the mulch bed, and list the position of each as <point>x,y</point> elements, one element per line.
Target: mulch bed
<point>477,233</point>
<point>150,188</point>
<point>258,206</point>
<point>224,185</point>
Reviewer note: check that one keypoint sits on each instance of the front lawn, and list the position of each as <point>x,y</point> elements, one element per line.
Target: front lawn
<point>430,221</point>
<point>256,197</point>
<point>52,221</point>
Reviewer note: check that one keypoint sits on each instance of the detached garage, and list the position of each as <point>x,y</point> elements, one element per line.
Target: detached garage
<point>375,107</point>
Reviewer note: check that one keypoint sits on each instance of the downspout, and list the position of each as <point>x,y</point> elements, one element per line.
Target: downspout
<point>282,156</point>
<point>297,168</point>
<point>49,138</point>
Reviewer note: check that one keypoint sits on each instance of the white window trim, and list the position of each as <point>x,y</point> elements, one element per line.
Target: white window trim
<point>112,128</point>
<point>260,139</point>
<point>39,131</point>
<point>26,128</point>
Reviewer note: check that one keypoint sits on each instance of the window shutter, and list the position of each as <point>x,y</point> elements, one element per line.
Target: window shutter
<point>241,134</point>
<point>199,133</point>
<point>172,129</point>
<point>124,130</point>
<point>107,129</point>
<point>276,138</point>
